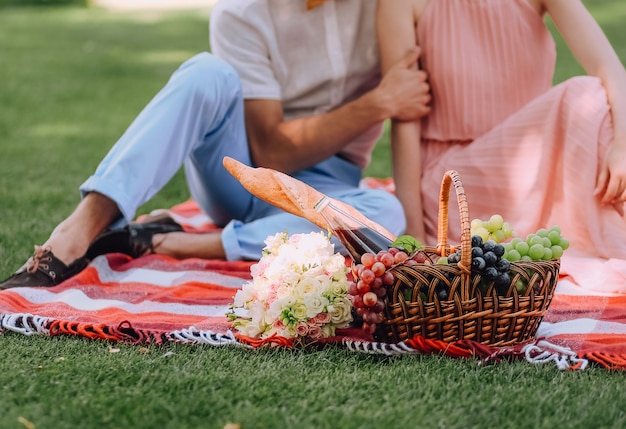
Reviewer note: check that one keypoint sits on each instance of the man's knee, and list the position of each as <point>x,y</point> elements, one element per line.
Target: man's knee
<point>206,63</point>
<point>205,71</point>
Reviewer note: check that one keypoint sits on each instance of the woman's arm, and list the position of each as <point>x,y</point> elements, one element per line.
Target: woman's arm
<point>595,54</point>
<point>395,28</point>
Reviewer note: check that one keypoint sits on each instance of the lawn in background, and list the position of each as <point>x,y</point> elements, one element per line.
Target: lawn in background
<point>71,81</point>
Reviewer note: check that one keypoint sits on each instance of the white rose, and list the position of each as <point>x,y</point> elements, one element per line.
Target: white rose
<point>335,264</point>
<point>307,286</point>
<point>283,292</point>
<point>325,282</point>
<point>299,311</point>
<point>291,277</point>
<point>314,304</point>
<point>339,287</point>
<point>341,313</point>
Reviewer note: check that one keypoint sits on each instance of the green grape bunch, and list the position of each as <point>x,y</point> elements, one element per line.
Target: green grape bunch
<point>543,245</point>
<point>494,229</point>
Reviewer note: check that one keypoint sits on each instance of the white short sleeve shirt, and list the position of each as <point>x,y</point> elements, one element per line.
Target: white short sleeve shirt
<point>313,61</point>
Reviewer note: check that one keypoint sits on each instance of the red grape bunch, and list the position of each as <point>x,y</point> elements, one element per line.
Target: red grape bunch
<point>371,277</point>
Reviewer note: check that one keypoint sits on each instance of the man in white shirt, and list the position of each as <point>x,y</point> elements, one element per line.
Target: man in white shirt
<point>306,79</point>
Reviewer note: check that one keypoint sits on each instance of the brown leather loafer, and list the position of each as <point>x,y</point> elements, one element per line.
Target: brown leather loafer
<point>134,240</point>
<point>43,269</point>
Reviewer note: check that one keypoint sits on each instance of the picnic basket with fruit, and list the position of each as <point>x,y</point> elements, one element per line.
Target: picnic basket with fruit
<point>484,291</point>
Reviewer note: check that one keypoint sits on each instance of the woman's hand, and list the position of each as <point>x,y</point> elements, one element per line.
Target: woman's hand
<point>611,185</point>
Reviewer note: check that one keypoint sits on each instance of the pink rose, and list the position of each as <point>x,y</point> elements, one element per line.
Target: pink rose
<point>302,329</point>
<point>315,332</point>
<point>321,319</point>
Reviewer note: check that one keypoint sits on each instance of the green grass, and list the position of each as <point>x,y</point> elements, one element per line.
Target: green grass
<point>59,383</point>
<point>71,80</point>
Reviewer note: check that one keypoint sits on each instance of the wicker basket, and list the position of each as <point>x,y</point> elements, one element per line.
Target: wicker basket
<point>471,308</point>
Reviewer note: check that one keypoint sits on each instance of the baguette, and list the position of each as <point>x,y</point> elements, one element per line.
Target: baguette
<point>291,195</point>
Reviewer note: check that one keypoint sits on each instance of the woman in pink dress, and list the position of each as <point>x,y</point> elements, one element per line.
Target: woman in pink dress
<point>536,154</point>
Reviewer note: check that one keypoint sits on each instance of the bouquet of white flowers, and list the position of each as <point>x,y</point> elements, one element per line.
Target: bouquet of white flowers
<point>298,290</point>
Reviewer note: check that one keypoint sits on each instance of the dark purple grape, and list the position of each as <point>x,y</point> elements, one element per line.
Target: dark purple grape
<point>442,292</point>
<point>498,249</point>
<point>477,241</point>
<point>454,258</point>
<point>502,280</point>
<point>477,251</point>
<point>490,273</point>
<point>490,258</point>
<point>503,265</point>
<point>478,264</point>
<point>489,245</point>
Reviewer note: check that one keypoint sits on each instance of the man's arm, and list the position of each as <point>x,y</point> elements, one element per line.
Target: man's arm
<point>292,145</point>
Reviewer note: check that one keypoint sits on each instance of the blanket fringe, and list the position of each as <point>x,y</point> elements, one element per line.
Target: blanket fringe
<point>88,330</point>
<point>539,351</point>
<point>192,335</point>
<point>129,334</point>
<point>608,360</point>
<point>379,348</point>
<point>564,358</point>
<point>25,324</point>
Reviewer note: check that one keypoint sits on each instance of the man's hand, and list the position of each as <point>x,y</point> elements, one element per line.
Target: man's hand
<point>405,89</point>
<point>288,146</point>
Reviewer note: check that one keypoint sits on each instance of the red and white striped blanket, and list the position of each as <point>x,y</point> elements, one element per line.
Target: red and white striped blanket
<point>156,299</point>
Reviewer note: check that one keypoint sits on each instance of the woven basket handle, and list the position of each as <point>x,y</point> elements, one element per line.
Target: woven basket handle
<point>452,177</point>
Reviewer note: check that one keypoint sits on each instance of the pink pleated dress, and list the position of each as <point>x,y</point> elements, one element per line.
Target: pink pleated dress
<point>524,149</point>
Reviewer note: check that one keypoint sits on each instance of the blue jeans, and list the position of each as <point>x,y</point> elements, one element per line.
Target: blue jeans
<point>196,120</point>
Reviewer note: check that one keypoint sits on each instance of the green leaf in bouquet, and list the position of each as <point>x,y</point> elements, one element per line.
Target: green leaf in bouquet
<point>407,242</point>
